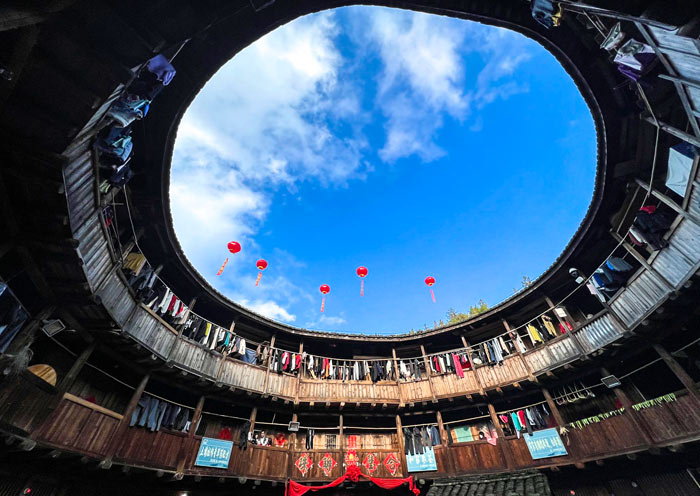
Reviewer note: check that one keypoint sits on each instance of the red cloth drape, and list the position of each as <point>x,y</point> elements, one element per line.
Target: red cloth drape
<point>353,473</point>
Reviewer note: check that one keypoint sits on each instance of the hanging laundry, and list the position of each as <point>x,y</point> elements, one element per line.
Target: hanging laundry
<point>534,335</point>
<point>652,224</point>
<point>546,12</point>
<point>634,59</point>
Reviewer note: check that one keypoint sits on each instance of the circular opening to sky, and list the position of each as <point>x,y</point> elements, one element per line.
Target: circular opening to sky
<point>412,144</point>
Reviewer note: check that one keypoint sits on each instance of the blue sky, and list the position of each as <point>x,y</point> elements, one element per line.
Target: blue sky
<point>410,143</point>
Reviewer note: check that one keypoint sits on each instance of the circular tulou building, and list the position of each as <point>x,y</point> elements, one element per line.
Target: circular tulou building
<point>125,373</point>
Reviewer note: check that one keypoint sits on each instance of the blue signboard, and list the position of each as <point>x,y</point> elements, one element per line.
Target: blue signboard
<point>545,444</point>
<point>214,453</point>
<point>422,463</point>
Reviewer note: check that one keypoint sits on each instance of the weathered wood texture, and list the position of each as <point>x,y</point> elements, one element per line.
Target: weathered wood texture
<point>348,391</point>
<point>22,399</point>
<point>79,428</point>
<point>510,371</point>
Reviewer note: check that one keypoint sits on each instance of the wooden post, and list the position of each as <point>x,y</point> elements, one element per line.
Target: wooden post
<point>444,442</point>
<point>269,362</point>
<point>188,444</point>
<point>75,369</point>
<point>70,377</point>
<point>402,402</point>
<point>179,331</point>
<point>190,306</point>
<point>399,432</point>
<point>553,408</point>
<point>341,440</point>
<point>528,369</point>
<point>427,371</point>
<point>291,447</point>
<point>253,415</point>
<point>679,372</point>
<point>639,425</point>
<point>574,337</point>
<point>482,392</point>
<point>299,372</point>
<point>224,354</point>
<point>117,435</point>
<point>551,305</point>
<point>505,447</point>
<point>642,260</point>
<point>195,417</point>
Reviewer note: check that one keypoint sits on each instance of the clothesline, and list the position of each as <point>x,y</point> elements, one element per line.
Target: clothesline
<point>420,425</point>
<point>522,407</point>
<point>169,401</point>
<point>450,422</point>
<point>580,285</point>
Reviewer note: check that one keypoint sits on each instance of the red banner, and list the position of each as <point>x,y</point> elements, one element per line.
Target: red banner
<point>353,474</point>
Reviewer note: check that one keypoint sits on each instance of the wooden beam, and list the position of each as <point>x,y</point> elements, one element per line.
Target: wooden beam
<point>299,372</point>
<point>402,447</point>
<point>398,381</point>
<point>679,372</point>
<point>427,371</point>
<point>482,392</point>
<point>115,439</point>
<point>528,369</point>
<point>502,443</point>
<point>269,362</point>
<point>444,441</point>
<point>639,425</point>
<point>553,408</point>
<point>341,440</point>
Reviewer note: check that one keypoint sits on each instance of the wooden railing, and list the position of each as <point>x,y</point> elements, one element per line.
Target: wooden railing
<point>667,272</point>
<point>84,428</point>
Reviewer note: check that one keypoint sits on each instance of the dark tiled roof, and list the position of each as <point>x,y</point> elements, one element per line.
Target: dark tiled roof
<point>525,483</point>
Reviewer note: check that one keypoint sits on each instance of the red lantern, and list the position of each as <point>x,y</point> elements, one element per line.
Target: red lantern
<point>261,265</point>
<point>430,280</point>
<point>325,289</point>
<point>362,272</point>
<point>233,247</point>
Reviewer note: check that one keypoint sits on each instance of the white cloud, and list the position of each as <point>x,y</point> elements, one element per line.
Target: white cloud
<point>267,120</point>
<point>260,123</point>
<point>326,321</point>
<point>424,70</point>
<point>269,309</point>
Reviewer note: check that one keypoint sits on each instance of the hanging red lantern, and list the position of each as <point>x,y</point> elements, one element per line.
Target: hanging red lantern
<point>325,289</point>
<point>430,280</point>
<point>362,272</point>
<point>233,247</point>
<point>261,265</point>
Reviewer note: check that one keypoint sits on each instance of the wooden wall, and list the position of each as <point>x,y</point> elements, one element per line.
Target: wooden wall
<point>77,426</point>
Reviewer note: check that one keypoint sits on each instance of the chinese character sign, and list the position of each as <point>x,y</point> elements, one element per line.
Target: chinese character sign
<point>424,462</point>
<point>545,444</point>
<point>214,453</point>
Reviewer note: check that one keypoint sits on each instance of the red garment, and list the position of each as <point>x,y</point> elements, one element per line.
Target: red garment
<point>521,416</point>
<point>297,361</point>
<point>458,366</point>
<point>172,303</point>
<point>466,364</point>
<point>650,209</point>
<point>285,360</point>
<point>225,434</point>
<point>354,474</point>
<point>437,364</point>
<point>564,327</point>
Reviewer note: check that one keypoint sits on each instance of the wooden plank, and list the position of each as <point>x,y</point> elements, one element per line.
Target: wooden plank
<point>679,372</point>
<point>92,406</point>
